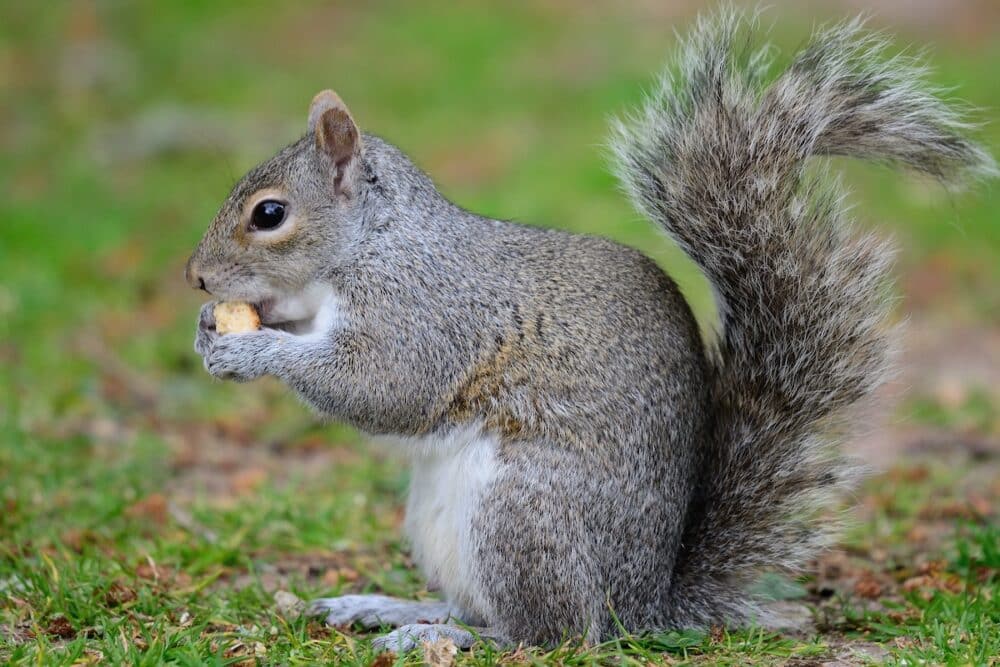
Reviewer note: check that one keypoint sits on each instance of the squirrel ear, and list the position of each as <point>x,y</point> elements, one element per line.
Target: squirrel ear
<point>324,101</point>
<point>336,133</point>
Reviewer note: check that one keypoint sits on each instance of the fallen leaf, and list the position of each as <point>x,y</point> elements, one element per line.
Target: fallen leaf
<point>975,508</point>
<point>147,570</point>
<point>249,480</point>
<point>906,616</point>
<point>89,657</point>
<point>76,538</point>
<point>317,630</point>
<point>235,429</point>
<point>981,506</point>
<point>927,584</point>
<point>918,582</point>
<point>153,507</point>
<point>951,392</point>
<point>60,627</point>
<point>119,594</point>
<point>910,473</point>
<point>932,567</point>
<point>384,660</point>
<point>440,653</point>
<point>868,587</point>
<point>336,575</point>
<point>236,649</point>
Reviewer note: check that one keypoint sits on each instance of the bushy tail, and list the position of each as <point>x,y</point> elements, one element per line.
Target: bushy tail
<point>717,157</point>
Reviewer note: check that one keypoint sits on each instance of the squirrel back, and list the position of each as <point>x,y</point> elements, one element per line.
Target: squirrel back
<point>718,158</point>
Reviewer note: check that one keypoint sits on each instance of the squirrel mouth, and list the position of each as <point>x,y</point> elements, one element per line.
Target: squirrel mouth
<point>265,311</point>
<point>272,317</point>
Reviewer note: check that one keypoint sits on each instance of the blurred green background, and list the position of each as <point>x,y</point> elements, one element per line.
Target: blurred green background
<point>124,124</point>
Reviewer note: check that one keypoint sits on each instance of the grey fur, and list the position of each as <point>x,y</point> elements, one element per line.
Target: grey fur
<point>637,473</point>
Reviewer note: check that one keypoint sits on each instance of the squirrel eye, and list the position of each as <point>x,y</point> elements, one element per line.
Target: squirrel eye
<point>267,214</point>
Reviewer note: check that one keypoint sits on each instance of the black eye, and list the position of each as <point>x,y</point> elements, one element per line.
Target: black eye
<point>267,215</point>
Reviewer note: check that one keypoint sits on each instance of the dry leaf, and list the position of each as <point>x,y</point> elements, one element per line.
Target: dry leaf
<point>89,657</point>
<point>76,539</point>
<point>868,587</point>
<point>248,480</point>
<point>153,507</point>
<point>440,653</point>
<point>336,575</point>
<point>119,594</point>
<point>60,627</point>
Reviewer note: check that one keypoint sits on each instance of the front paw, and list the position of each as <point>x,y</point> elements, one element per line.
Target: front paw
<point>206,335</point>
<point>410,637</point>
<point>241,357</point>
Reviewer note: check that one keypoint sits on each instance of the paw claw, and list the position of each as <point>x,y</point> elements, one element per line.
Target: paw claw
<point>397,641</point>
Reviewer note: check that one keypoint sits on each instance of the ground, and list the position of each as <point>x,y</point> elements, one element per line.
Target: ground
<point>149,514</point>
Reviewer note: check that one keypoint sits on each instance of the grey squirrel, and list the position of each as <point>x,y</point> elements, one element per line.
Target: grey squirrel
<point>582,462</point>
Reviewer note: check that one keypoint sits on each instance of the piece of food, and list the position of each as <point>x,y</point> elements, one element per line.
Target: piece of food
<point>235,317</point>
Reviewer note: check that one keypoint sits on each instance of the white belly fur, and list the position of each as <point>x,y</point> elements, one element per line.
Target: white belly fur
<point>449,475</point>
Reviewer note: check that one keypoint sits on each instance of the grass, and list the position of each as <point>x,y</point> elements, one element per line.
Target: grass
<point>147,514</point>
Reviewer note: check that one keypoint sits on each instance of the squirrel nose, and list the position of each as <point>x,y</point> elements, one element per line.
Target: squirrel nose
<point>193,279</point>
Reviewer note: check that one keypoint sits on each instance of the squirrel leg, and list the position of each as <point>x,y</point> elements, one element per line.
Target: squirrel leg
<point>374,611</point>
<point>539,567</point>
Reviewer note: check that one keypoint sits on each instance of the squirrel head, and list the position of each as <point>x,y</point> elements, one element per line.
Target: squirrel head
<point>284,222</point>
